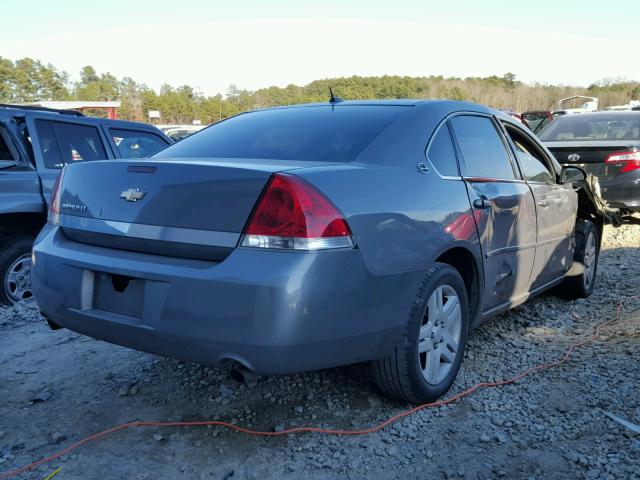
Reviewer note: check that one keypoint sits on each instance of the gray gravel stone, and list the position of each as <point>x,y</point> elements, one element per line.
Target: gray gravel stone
<point>58,437</point>
<point>547,425</point>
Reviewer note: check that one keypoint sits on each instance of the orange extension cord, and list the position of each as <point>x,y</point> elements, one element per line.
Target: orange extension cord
<point>365,431</point>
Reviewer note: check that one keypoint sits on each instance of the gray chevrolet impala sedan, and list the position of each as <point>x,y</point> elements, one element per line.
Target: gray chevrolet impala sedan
<point>312,236</point>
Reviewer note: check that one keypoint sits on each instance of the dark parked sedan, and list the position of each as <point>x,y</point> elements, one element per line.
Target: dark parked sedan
<point>318,235</point>
<point>606,144</point>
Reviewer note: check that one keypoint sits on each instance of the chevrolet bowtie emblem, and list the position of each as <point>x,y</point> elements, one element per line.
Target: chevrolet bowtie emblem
<point>132,195</point>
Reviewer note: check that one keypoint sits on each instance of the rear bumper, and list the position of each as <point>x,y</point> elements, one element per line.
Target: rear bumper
<point>623,191</point>
<point>274,312</point>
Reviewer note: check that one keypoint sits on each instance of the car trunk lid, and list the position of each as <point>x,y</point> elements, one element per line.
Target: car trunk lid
<point>192,208</point>
<point>591,156</point>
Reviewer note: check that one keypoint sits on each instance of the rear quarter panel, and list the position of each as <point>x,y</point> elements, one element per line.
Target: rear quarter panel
<point>401,220</point>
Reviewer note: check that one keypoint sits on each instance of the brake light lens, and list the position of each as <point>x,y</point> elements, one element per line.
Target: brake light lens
<point>292,214</point>
<point>54,209</point>
<point>631,160</point>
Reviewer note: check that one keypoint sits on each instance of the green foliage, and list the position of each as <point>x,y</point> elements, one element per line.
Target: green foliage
<point>28,80</point>
<point>96,87</point>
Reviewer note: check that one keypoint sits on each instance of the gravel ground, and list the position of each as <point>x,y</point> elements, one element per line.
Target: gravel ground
<point>57,387</point>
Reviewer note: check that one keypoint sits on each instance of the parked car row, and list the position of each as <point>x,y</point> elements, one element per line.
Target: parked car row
<point>307,237</point>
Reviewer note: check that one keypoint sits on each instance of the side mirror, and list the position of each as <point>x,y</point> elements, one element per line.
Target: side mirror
<point>572,175</point>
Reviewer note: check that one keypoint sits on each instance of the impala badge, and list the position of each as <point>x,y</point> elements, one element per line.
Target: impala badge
<point>574,157</point>
<point>132,195</point>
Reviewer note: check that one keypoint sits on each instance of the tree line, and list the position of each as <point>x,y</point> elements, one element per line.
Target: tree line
<point>29,80</point>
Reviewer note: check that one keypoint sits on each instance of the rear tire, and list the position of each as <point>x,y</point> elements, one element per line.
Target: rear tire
<point>15,269</point>
<point>427,359</point>
<point>586,256</point>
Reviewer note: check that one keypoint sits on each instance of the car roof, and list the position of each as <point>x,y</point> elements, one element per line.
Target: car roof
<point>347,103</point>
<point>442,105</point>
<point>12,110</point>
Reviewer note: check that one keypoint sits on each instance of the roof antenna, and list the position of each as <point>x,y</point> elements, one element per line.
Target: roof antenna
<point>334,99</point>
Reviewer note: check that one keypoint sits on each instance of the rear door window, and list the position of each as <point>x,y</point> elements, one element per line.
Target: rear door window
<point>48,145</point>
<point>136,144</point>
<point>482,148</point>
<point>62,143</point>
<point>441,153</point>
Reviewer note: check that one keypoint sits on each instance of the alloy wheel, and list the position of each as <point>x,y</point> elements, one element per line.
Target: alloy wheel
<point>17,281</point>
<point>439,335</point>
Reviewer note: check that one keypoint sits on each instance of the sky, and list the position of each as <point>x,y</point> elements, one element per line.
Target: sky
<point>254,44</point>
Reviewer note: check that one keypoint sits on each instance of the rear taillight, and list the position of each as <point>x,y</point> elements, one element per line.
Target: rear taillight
<point>292,214</point>
<point>54,209</point>
<point>629,161</point>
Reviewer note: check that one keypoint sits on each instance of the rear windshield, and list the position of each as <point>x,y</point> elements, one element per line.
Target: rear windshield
<point>585,127</point>
<point>322,133</point>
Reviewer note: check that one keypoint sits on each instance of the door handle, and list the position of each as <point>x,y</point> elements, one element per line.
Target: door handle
<point>543,203</point>
<point>482,203</point>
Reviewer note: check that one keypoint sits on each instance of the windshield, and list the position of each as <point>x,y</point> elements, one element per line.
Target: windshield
<point>581,127</point>
<point>318,133</point>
